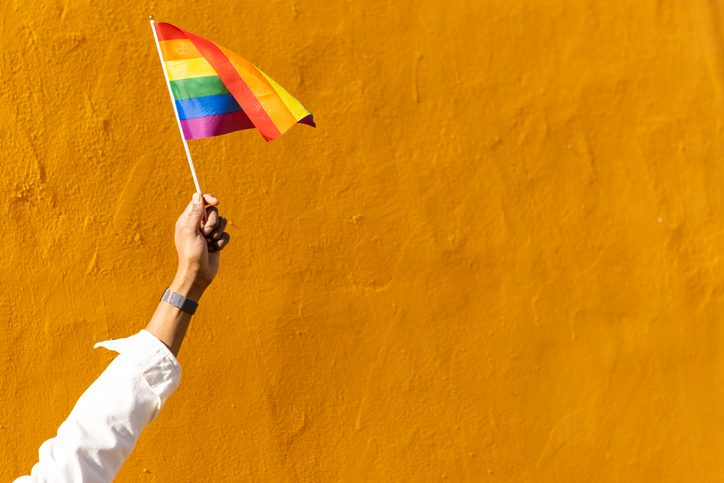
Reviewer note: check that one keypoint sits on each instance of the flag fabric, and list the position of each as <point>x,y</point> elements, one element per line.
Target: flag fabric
<point>216,91</point>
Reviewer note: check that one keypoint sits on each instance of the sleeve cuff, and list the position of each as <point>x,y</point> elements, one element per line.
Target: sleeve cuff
<point>158,365</point>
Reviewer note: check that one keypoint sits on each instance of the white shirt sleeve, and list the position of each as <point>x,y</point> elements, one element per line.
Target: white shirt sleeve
<point>103,427</point>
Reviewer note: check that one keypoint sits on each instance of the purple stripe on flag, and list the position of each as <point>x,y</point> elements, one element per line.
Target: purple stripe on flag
<point>309,121</point>
<point>204,127</point>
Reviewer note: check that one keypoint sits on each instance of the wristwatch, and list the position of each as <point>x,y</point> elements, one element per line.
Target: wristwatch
<point>179,301</point>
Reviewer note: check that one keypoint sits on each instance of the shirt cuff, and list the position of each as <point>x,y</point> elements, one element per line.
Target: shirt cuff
<point>158,365</point>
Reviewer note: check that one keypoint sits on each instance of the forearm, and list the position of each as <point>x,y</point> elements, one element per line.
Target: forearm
<point>169,323</point>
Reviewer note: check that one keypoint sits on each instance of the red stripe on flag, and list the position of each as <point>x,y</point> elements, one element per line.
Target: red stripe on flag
<point>166,31</point>
<point>236,85</point>
<point>204,127</point>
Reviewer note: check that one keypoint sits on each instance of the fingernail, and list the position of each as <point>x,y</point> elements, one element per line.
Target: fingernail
<point>197,198</point>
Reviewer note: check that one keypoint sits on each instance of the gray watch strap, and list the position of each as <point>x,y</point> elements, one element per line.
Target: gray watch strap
<point>179,301</point>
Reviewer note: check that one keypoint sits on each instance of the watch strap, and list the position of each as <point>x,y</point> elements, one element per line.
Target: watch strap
<point>179,301</point>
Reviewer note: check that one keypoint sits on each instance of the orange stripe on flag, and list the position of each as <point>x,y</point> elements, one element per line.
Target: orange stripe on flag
<point>263,90</point>
<point>179,49</point>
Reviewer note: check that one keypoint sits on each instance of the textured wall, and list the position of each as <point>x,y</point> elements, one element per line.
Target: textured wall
<point>498,258</point>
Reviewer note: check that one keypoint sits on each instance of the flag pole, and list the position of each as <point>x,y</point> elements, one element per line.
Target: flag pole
<point>173,103</point>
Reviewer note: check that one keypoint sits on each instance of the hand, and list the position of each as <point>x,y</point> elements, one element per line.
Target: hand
<point>199,238</point>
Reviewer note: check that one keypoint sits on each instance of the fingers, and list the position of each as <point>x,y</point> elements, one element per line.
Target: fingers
<point>212,220</point>
<point>218,245</point>
<point>195,214</point>
<point>206,220</point>
<point>210,199</point>
<point>218,230</point>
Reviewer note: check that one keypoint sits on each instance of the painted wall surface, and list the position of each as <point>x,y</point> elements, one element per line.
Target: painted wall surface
<point>500,257</point>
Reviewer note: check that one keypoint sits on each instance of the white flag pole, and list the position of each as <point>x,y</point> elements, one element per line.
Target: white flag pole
<point>173,103</point>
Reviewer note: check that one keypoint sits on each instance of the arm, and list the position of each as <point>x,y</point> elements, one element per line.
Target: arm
<point>199,238</point>
<point>103,427</point>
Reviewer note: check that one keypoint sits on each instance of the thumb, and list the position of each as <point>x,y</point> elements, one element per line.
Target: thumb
<point>195,211</point>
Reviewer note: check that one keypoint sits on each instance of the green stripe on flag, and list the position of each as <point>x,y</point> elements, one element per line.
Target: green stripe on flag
<point>198,87</point>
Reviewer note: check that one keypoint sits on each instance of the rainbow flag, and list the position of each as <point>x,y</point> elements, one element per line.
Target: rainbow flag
<point>216,91</point>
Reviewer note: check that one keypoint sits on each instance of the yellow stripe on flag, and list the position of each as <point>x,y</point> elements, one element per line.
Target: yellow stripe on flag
<point>294,106</point>
<point>186,68</point>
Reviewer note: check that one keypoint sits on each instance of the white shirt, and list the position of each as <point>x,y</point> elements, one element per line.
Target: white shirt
<point>103,427</point>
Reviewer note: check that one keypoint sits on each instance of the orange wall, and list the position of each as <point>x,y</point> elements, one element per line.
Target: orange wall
<point>498,258</point>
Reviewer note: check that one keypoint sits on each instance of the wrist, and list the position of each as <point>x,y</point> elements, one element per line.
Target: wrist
<point>188,284</point>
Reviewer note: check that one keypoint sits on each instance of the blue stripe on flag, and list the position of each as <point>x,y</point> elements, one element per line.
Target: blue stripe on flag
<point>206,106</point>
